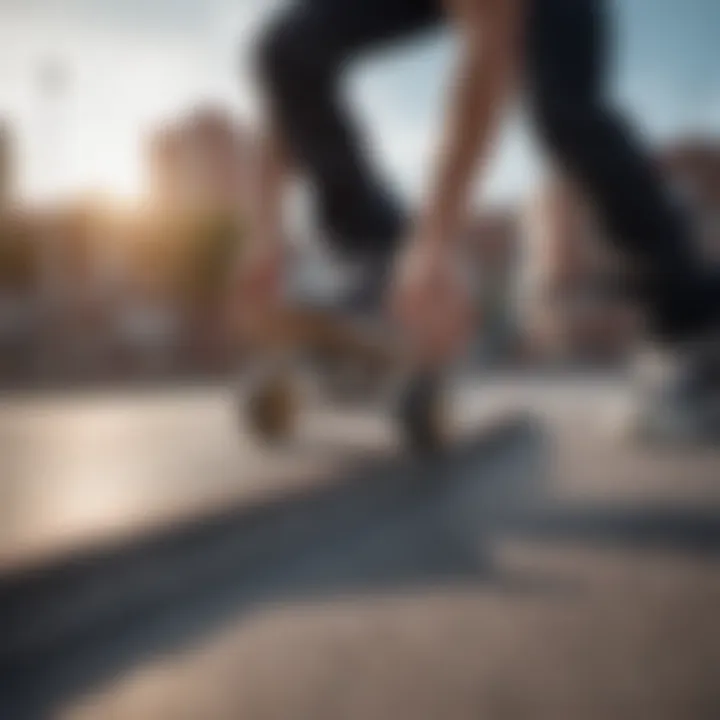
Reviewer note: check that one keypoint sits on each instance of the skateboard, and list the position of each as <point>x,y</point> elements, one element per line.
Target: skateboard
<point>351,359</point>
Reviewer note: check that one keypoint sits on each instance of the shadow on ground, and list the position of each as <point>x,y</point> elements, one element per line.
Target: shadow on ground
<point>394,526</point>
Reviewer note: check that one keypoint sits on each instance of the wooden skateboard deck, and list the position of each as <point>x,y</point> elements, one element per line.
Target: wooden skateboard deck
<point>331,337</point>
<point>358,347</point>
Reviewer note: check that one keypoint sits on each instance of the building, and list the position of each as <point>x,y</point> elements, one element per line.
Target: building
<point>88,289</point>
<point>74,300</point>
<point>200,163</point>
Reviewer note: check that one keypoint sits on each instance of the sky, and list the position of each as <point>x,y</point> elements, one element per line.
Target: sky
<point>129,65</point>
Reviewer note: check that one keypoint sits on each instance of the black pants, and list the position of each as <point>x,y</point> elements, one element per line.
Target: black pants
<point>302,57</point>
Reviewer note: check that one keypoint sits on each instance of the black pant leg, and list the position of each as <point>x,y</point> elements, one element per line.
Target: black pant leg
<point>567,45</point>
<point>302,56</point>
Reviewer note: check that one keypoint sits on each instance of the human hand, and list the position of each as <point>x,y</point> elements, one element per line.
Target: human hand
<point>431,299</point>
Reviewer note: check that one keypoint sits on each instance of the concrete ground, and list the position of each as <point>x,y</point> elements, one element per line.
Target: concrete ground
<point>157,563</point>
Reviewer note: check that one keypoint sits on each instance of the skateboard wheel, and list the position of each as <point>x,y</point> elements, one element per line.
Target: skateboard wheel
<point>422,413</point>
<point>271,407</point>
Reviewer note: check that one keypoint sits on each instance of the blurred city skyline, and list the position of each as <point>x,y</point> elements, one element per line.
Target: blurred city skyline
<point>120,68</point>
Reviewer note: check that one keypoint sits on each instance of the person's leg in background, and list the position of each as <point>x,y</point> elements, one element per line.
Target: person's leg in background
<point>302,57</point>
<point>566,68</point>
<point>567,48</point>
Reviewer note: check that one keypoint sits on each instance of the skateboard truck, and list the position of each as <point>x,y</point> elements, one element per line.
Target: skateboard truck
<point>370,358</point>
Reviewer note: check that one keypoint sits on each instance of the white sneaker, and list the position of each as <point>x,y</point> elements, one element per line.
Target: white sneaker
<point>676,395</point>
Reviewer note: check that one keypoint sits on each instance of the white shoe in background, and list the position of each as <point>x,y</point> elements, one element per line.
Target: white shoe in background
<point>675,395</point>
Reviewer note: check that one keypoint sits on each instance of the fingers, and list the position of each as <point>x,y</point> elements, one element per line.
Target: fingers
<point>436,319</point>
<point>256,293</point>
<point>444,333</point>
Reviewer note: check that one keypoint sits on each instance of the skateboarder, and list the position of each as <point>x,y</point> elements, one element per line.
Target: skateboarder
<point>555,51</point>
